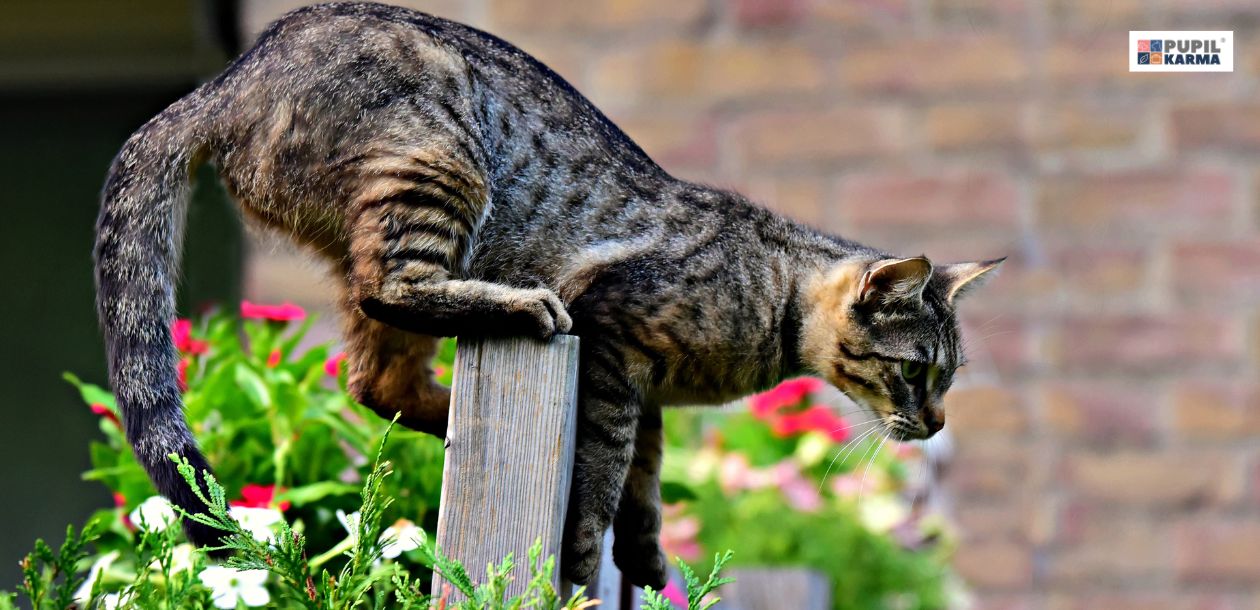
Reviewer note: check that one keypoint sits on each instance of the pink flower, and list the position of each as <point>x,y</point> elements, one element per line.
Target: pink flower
<point>332,366</point>
<point>674,594</point>
<point>181,332</point>
<point>273,359</point>
<point>182,372</point>
<point>735,473</point>
<point>286,312</point>
<point>799,493</point>
<point>439,371</point>
<point>259,496</point>
<point>678,537</point>
<point>786,394</point>
<point>816,418</point>
<point>106,412</point>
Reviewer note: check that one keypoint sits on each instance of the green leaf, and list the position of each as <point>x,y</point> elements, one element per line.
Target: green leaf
<point>673,492</point>
<point>253,386</point>
<point>307,494</point>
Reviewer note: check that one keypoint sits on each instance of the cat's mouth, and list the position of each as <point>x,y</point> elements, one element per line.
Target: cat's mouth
<point>902,428</point>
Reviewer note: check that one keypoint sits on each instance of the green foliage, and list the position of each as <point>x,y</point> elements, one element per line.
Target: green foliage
<point>276,421</point>
<point>698,593</point>
<point>816,496</point>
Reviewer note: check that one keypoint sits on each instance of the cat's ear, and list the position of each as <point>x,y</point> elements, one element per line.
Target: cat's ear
<point>895,280</point>
<point>962,278</point>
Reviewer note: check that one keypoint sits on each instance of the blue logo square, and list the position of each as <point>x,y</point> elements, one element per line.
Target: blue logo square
<point>1144,58</point>
<point>1157,46</point>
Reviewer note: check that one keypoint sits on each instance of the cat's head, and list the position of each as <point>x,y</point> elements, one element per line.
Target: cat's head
<point>885,333</point>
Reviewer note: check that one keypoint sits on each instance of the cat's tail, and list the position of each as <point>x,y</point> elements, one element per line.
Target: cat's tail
<point>139,235</point>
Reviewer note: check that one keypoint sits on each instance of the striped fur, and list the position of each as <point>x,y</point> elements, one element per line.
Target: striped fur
<point>458,187</point>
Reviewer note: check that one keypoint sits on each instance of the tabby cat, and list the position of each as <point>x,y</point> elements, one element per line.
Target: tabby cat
<point>459,187</point>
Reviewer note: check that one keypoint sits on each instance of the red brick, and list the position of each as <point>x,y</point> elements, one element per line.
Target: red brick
<point>674,140</point>
<point>984,410</point>
<point>688,73</point>
<point>1217,126</point>
<point>991,521</point>
<point>791,139</point>
<point>972,126</point>
<point>599,15</point>
<point>957,63</point>
<point>888,16</point>
<point>1219,551</point>
<point>1076,61</point>
<point>1142,345</point>
<point>1093,274</point>
<point>1112,549</point>
<point>1153,478</point>
<point>1217,273</point>
<point>1091,15</point>
<point>768,13</point>
<point>962,202</point>
<point>989,469</point>
<point>1078,126</point>
<point>977,14</point>
<point>999,343</point>
<point>804,198</point>
<point>1217,410</point>
<point>994,565</point>
<point>1103,413</point>
<point>1133,205</point>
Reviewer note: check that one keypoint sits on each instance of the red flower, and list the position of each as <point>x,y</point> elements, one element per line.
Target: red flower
<point>273,359</point>
<point>120,500</point>
<point>181,331</point>
<point>817,418</point>
<point>332,366</point>
<point>259,496</point>
<point>106,412</point>
<point>286,312</point>
<point>786,394</point>
<point>182,372</point>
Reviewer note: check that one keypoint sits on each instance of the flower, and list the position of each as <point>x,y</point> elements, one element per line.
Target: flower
<point>351,523</point>
<point>260,496</point>
<point>154,514</point>
<point>273,359</point>
<point>678,534</point>
<point>182,372</point>
<point>181,332</point>
<point>256,521</point>
<point>181,559</point>
<point>800,493</point>
<point>816,418</point>
<point>106,412</point>
<point>674,594</point>
<point>114,601</point>
<point>228,586</point>
<point>786,394</point>
<point>286,312</point>
<point>399,538</point>
<point>84,593</point>
<point>332,365</point>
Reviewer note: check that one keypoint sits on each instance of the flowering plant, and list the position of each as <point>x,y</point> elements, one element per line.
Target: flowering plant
<point>788,480</point>
<point>317,509</point>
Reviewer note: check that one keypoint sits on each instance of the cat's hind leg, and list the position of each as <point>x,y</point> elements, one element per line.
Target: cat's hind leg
<point>413,223</point>
<point>389,372</point>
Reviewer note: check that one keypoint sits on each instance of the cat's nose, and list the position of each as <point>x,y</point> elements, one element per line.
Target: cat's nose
<point>933,418</point>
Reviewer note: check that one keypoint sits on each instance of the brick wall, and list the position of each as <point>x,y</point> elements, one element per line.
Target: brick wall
<point>1108,431</point>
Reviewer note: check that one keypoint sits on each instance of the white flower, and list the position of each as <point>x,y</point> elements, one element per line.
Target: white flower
<point>256,521</point>
<point>399,538</point>
<point>114,601</point>
<point>181,559</point>
<point>228,586</point>
<point>351,523</point>
<point>84,593</point>
<point>154,514</point>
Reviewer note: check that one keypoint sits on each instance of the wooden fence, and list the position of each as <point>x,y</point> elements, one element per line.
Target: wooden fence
<point>509,460</point>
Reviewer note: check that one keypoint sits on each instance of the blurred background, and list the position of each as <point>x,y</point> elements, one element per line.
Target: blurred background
<point>1107,433</point>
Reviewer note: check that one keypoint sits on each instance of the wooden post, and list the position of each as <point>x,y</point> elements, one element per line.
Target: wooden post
<point>509,452</point>
<point>775,588</point>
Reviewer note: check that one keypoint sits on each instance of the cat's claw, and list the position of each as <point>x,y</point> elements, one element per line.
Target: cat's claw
<point>546,312</point>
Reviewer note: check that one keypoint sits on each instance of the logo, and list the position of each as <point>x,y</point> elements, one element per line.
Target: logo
<point>1181,51</point>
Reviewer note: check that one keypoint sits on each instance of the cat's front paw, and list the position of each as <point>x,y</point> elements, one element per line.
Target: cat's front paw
<point>641,564</point>
<point>542,312</point>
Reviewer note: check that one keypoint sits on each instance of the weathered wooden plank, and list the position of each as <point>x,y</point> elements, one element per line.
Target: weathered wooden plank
<point>775,589</point>
<point>608,583</point>
<point>509,454</point>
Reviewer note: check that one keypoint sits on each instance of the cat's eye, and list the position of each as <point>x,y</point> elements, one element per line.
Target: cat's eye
<point>911,371</point>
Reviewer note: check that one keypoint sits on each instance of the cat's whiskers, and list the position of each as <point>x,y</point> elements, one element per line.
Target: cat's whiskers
<point>862,486</point>
<point>852,446</point>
